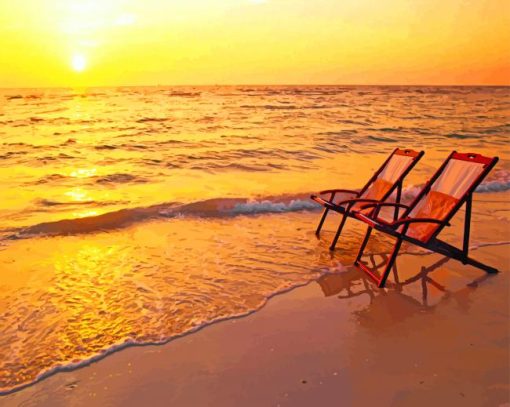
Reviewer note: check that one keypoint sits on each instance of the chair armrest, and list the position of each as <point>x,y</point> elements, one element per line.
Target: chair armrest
<point>334,191</point>
<point>349,203</point>
<point>375,221</point>
<point>380,204</point>
<point>408,221</point>
<point>356,200</point>
<point>377,208</point>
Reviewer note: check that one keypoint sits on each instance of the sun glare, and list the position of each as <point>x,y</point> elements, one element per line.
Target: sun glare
<point>78,62</point>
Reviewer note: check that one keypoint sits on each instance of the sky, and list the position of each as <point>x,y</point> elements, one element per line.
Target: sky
<point>47,43</point>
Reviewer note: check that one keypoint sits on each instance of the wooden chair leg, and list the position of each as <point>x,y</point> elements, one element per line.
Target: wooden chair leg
<point>321,222</point>
<point>339,230</point>
<point>481,266</point>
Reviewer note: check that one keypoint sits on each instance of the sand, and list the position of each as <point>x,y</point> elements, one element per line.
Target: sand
<point>414,346</point>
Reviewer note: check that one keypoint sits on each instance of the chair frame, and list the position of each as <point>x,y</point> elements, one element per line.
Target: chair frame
<point>346,211</point>
<point>433,243</point>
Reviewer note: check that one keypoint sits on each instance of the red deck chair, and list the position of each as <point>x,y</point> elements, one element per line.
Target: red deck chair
<point>383,183</point>
<point>451,187</point>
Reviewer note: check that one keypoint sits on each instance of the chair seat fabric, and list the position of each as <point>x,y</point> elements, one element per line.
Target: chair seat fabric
<point>377,190</point>
<point>435,205</point>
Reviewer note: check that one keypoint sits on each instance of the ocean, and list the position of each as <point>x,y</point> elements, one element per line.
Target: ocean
<point>135,215</point>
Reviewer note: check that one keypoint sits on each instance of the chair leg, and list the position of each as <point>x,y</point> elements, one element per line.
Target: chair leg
<point>453,252</point>
<point>339,230</point>
<point>395,275</point>
<point>477,264</point>
<point>321,222</point>
<point>391,261</point>
<point>382,281</point>
<point>363,245</point>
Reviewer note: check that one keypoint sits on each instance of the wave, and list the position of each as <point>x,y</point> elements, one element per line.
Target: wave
<point>105,147</point>
<point>49,202</point>
<point>383,139</point>
<point>462,136</point>
<point>392,129</point>
<point>184,94</point>
<point>120,178</point>
<point>52,203</point>
<point>267,206</point>
<point>210,208</point>
<point>219,207</point>
<point>494,186</point>
<point>487,187</point>
<point>153,119</point>
<point>109,179</point>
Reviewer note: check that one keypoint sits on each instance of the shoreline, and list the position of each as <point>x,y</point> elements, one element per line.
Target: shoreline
<point>71,367</point>
<point>234,361</point>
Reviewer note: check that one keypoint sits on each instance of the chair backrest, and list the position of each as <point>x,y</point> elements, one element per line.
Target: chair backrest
<point>446,191</point>
<point>393,170</point>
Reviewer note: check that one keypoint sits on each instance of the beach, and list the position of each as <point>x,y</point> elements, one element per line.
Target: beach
<point>321,345</point>
<point>338,340</point>
<point>157,246</point>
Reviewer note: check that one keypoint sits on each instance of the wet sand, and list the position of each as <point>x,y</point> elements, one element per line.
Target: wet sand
<point>441,339</point>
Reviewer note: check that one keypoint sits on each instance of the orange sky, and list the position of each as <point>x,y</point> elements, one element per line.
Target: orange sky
<point>150,42</point>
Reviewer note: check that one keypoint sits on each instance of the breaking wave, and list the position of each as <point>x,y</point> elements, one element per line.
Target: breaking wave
<point>494,186</point>
<point>220,207</point>
<point>211,208</point>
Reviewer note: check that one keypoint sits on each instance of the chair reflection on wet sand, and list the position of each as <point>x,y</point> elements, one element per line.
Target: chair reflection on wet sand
<point>332,284</point>
<point>351,283</point>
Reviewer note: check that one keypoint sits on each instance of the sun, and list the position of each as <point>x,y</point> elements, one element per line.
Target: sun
<point>78,62</point>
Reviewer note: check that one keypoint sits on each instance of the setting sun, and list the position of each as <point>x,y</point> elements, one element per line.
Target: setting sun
<point>78,62</point>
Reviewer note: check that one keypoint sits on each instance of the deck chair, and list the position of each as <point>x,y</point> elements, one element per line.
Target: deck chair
<point>388,178</point>
<point>442,196</point>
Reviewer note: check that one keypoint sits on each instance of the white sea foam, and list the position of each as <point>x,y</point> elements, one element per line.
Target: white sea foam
<point>494,186</point>
<point>267,206</point>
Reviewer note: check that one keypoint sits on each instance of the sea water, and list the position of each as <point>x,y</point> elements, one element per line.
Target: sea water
<point>135,215</point>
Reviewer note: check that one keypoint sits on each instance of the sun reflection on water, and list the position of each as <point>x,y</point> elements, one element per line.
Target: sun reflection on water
<point>85,214</point>
<point>78,195</point>
<point>83,172</point>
